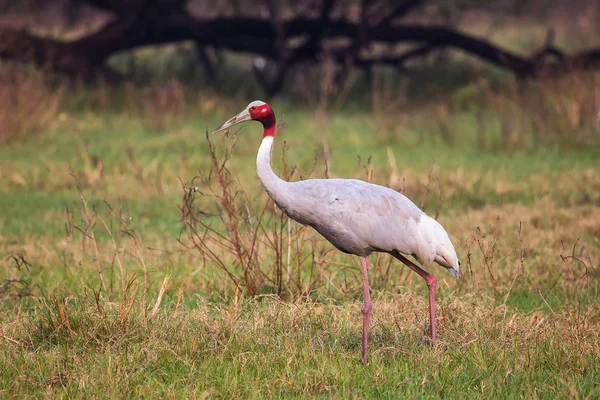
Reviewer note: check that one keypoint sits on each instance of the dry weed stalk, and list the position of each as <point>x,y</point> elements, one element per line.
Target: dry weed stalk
<point>89,221</point>
<point>432,179</point>
<point>264,246</point>
<point>161,292</point>
<point>15,286</point>
<point>490,244</point>
<point>126,305</point>
<point>92,167</point>
<point>580,271</point>
<point>114,226</point>
<point>368,167</point>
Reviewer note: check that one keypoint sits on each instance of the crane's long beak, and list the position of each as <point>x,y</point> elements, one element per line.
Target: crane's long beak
<point>241,117</point>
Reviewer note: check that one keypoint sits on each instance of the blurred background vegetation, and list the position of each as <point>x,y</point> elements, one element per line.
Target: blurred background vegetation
<point>521,72</point>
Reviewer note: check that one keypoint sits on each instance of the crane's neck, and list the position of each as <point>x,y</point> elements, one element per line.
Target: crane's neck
<point>274,186</point>
<point>269,126</point>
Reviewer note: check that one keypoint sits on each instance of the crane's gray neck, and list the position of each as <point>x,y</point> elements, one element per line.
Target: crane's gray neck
<point>274,186</point>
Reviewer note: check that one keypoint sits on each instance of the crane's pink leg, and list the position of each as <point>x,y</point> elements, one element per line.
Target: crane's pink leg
<point>366,308</point>
<point>431,282</point>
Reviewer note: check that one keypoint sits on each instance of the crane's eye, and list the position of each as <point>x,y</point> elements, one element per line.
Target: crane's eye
<point>252,108</point>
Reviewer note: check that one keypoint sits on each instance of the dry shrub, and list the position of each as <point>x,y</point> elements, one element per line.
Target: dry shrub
<point>29,102</point>
<point>255,246</point>
<point>545,111</point>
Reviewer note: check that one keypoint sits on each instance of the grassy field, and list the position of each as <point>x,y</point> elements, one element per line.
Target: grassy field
<point>128,254</point>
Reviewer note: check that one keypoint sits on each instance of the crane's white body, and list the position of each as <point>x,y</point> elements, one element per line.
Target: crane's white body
<point>359,217</point>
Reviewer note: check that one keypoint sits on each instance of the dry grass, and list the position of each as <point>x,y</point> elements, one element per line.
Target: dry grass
<point>274,348</point>
<point>29,103</point>
<point>506,118</point>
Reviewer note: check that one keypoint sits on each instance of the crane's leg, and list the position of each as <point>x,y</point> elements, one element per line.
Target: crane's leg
<point>431,282</point>
<point>366,308</point>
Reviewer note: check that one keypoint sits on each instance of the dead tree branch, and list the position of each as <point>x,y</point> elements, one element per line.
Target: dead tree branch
<point>150,22</point>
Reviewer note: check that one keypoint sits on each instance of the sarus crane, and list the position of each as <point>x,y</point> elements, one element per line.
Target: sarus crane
<point>357,217</point>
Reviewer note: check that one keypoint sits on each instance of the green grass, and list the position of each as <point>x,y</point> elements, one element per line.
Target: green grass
<point>521,321</point>
<point>266,348</point>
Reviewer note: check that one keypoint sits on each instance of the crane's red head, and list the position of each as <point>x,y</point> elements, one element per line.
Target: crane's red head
<point>257,111</point>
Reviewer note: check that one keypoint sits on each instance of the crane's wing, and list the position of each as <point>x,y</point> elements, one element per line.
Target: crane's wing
<point>359,217</point>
